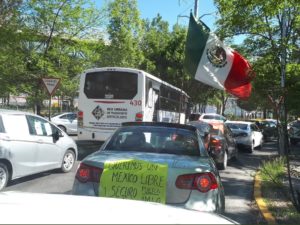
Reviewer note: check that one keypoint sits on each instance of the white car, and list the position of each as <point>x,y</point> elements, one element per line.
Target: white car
<point>247,134</point>
<point>33,208</point>
<point>212,116</point>
<point>66,121</point>
<point>30,144</point>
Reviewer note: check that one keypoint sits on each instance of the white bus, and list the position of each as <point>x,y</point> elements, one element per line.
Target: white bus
<point>112,95</point>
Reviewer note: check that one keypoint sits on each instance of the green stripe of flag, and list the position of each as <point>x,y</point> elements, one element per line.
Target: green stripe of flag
<point>195,44</point>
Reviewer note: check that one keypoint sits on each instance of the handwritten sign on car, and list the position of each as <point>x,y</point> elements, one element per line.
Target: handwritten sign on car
<point>134,179</point>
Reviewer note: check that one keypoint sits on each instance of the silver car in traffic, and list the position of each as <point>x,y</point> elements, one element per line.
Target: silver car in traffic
<point>66,121</point>
<point>30,144</point>
<point>247,134</point>
<point>158,162</point>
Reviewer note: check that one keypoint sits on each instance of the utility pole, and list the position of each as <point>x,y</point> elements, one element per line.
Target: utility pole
<point>196,9</point>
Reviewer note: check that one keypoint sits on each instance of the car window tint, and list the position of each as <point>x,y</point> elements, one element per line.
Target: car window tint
<point>39,126</point>
<point>237,126</point>
<point>66,116</point>
<point>209,117</point>
<point>155,139</point>
<point>254,127</point>
<point>16,124</point>
<point>73,116</point>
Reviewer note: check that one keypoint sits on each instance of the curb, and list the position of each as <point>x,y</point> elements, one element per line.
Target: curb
<point>260,202</point>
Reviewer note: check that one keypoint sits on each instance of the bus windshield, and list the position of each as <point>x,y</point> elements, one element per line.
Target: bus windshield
<point>111,85</point>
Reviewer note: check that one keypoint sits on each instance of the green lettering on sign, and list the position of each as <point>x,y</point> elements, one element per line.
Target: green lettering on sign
<point>134,179</point>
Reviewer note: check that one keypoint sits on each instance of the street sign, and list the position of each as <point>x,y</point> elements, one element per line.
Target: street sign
<point>51,84</point>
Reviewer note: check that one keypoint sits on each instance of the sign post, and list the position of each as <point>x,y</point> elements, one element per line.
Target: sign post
<point>51,84</point>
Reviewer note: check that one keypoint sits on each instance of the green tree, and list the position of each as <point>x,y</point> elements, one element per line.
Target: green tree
<point>124,31</point>
<point>52,44</point>
<point>154,46</point>
<point>262,24</point>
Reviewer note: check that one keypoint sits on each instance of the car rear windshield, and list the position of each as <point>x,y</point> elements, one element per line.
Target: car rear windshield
<point>237,126</point>
<point>111,85</point>
<point>155,139</point>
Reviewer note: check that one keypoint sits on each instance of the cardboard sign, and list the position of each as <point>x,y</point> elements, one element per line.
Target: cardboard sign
<point>51,84</point>
<point>134,179</point>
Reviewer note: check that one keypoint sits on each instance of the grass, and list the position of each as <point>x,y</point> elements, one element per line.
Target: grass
<point>273,171</point>
<point>276,194</point>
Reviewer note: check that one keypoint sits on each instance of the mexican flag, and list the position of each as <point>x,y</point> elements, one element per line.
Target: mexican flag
<point>213,63</point>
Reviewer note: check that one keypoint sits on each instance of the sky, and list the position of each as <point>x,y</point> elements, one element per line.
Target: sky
<point>178,11</point>
<point>175,11</point>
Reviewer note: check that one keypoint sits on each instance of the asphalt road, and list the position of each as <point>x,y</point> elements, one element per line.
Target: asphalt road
<point>237,181</point>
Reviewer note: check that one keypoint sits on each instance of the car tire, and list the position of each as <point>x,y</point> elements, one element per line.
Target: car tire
<point>62,128</point>
<point>4,176</point>
<point>251,147</point>
<point>223,165</point>
<point>68,161</point>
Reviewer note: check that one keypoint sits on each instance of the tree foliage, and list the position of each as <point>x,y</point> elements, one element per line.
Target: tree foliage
<point>263,24</point>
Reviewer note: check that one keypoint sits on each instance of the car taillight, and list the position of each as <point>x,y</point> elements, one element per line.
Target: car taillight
<point>86,173</point>
<point>139,116</point>
<point>202,182</point>
<point>216,144</point>
<point>80,119</point>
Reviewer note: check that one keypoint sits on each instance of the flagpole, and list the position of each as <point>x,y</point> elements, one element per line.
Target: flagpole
<point>196,9</point>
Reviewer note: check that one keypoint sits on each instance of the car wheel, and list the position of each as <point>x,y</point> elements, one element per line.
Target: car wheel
<point>223,165</point>
<point>251,147</point>
<point>68,161</point>
<point>4,175</point>
<point>62,128</point>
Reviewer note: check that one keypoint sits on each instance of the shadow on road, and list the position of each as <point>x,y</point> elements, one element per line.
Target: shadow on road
<point>238,182</point>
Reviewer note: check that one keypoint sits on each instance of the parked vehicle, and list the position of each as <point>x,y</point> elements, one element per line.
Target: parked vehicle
<point>37,208</point>
<point>159,162</point>
<point>204,129</point>
<point>30,144</point>
<point>66,121</point>
<point>222,144</point>
<point>247,134</point>
<point>294,132</point>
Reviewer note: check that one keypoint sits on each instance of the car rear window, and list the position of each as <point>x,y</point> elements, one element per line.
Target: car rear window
<point>111,85</point>
<point>210,117</point>
<point>155,139</point>
<point>237,126</point>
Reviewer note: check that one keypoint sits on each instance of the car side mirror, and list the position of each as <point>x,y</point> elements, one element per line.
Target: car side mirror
<point>56,136</point>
